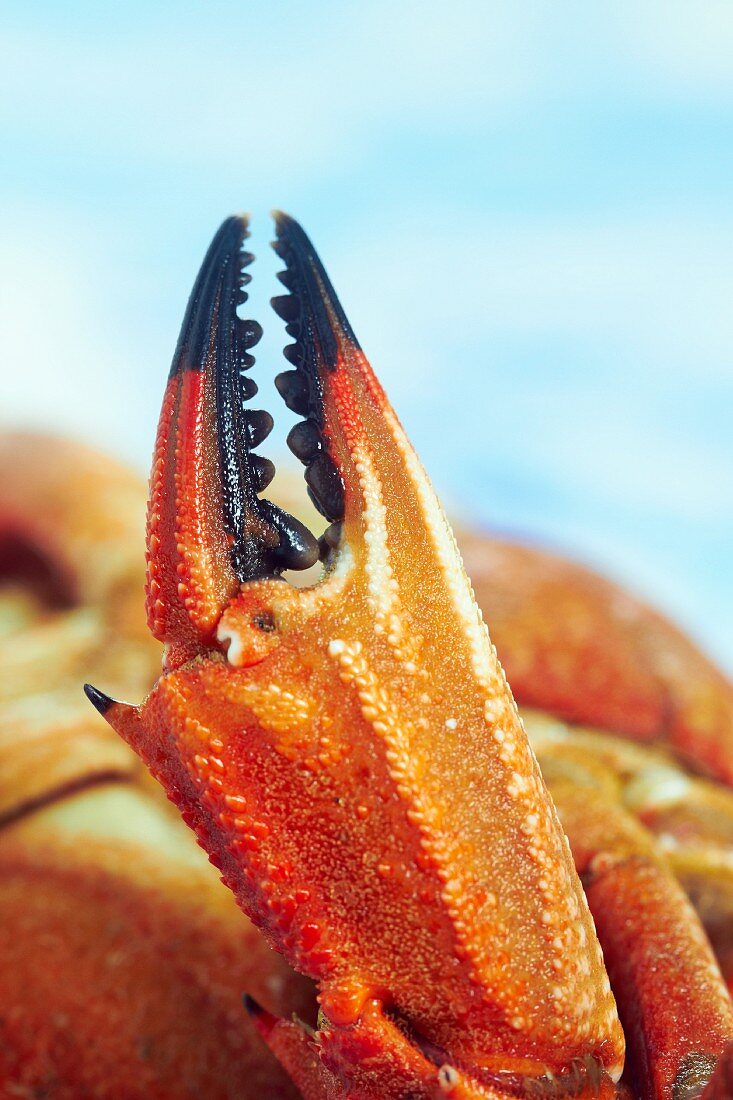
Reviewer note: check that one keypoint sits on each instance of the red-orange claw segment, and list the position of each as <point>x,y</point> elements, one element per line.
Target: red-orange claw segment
<point>378,1060</point>
<point>359,1061</point>
<point>676,1011</point>
<point>208,530</point>
<point>295,1048</point>
<point>190,574</point>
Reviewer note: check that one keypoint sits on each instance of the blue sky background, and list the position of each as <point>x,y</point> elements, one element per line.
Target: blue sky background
<point>526,209</point>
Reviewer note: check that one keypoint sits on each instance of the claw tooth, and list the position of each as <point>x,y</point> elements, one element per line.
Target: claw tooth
<point>293,388</point>
<point>263,471</point>
<point>250,332</point>
<point>248,387</point>
<point>286,278</point>
<point>332,534</point>
<point>298,547</point>
<point>259,425</point>
<point>305,441</point>
<point>286,307</point>
<point>330,539</point>
<point>326,487</point>
<point>294,354</point>
<point>278,245</point>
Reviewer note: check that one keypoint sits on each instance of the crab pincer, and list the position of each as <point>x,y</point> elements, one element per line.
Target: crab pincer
<point>350,754</point>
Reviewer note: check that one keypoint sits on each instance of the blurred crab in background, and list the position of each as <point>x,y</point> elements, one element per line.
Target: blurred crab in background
<point>352,760</point>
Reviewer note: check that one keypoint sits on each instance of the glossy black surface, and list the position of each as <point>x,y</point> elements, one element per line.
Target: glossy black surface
<point>264,540</point>
<point>321,330</point>
<point>98,699</point>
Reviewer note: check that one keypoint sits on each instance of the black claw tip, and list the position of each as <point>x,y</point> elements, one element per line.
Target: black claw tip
<point>312,301</point>
<point>323,337</point>
<point>215,343</point>
<point>326,487</point>
<point>252,1007</point>
<point>98,699</point>
<point>216,293</point>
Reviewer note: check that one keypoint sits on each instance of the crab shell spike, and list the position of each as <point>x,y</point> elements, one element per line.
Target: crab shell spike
<point>357,768</point>
<point>207,530</point>
<point>123,717</point>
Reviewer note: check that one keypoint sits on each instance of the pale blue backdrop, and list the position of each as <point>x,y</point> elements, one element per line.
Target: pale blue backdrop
<point>526,209</point>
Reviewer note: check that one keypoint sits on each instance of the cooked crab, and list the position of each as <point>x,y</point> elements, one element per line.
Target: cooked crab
<point>350,755</point>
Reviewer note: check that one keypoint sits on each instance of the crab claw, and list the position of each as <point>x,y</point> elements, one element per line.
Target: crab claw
<point>350,754</point>
<point>208,531</point>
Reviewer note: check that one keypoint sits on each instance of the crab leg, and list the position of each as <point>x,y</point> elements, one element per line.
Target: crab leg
<point>384,1065</point>
<point>350,754</point>
<point>675,1008</point>
<point>693,819</point>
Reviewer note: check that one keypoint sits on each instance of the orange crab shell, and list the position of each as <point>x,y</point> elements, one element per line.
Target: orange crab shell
<point>350,755</point>
<point>123,961</point>
<point>526,594</point>
<point>79,993</point>
<point>577,645</point>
